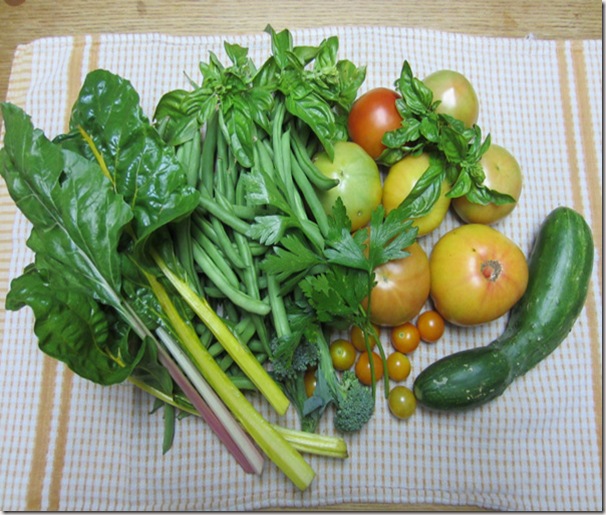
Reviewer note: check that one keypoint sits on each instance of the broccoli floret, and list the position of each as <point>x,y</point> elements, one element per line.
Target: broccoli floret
<point>356,405</point>
<point>292,357</point>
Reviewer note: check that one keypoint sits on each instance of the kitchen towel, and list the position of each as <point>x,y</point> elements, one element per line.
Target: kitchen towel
<point>67,444</point>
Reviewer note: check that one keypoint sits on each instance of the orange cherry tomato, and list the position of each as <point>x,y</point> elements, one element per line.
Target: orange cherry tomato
<point>405,338</point>
<point>363,371</point>
<point>398,366</point>
<point>431,326</point>
<point>356,336</point>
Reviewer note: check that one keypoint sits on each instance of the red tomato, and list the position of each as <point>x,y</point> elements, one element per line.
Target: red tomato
<point>477,274</point>
<point>431,326</point>
<point>456,95</point>
<point>503,174</point>
<point>362,369</point>
<point>401,290</point>
<point>371,116</point>
<point>359,185</point>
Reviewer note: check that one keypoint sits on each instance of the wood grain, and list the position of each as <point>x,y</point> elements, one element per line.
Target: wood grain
<point>26,20</point>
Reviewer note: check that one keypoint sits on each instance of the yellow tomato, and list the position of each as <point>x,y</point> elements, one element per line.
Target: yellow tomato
<point>400,181</point>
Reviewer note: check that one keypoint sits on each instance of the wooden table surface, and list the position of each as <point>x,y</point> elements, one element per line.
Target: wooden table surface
<point>25,20</point>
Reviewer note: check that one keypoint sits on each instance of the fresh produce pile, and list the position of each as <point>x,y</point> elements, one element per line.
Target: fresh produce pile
<point>219,251</point>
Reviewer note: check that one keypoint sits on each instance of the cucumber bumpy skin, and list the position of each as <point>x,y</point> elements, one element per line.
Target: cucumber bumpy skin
<point>560,266</point>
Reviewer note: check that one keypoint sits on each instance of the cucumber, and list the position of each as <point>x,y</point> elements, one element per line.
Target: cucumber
<point>560,266</point>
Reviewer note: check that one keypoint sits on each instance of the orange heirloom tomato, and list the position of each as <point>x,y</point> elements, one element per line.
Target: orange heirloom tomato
<point>502,173</point>
<point>402,288</point>
<point>477,274</point>
<point>400,181</point>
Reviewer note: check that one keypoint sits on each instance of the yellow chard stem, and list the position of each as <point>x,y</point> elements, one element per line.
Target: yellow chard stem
<point>270,441</point>
<point>238,352</point>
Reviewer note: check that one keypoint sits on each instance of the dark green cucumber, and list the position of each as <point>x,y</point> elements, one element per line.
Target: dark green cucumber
<point>560,266</point>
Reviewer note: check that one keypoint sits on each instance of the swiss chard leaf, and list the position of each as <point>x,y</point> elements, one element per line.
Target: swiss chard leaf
<point>73,328</point>
<point>143,168</point>
<point>71,204</point>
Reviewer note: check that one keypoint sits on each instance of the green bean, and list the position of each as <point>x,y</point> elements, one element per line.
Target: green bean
<point>317,178</point>
<point>214,230</point>
<point>310,196</point>
<point>209,205</point>
<point>203,244</point>
<point>207,160</point>
<point>225,361</point>
<point>278,310</point>
<point>237,296</point>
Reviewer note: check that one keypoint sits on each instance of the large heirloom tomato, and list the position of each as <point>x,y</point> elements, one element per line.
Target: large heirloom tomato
<point>359,182</point>
<point>400,181</point>
<point>456,95</point>
<point>402,288</point>
<point>503,174</point>
<point>477,274</point>
<point>371,116</point>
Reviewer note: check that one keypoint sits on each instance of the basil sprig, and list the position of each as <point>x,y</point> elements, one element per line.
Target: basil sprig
<point>455,150</point>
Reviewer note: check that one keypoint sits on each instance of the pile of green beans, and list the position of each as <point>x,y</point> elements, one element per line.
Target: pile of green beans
<point>215,245</point>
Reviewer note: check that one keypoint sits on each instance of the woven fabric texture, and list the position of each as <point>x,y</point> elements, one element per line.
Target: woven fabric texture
<point>71,445</point>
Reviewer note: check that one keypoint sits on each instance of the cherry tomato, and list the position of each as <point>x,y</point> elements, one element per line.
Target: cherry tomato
<point>405,338</point>
<point>363,368</point>
<point>400,181</point>
<point>357,338</point>
<point>431,326</point>
<point>477,274</point>
<point>359,185</point>
<point>456,95</point>
<point>402,402</point>
<point>310,381</point>
<point>503,174</point>
<point>398,366</point>
<point>402,288</point>
<point>371,116</point>
<point>343,354</point>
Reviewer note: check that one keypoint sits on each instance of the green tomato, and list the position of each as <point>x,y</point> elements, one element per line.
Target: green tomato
<point>359,182</point>
<point>456,95</point>
<point>503,174</point>
<point>400,181</point>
